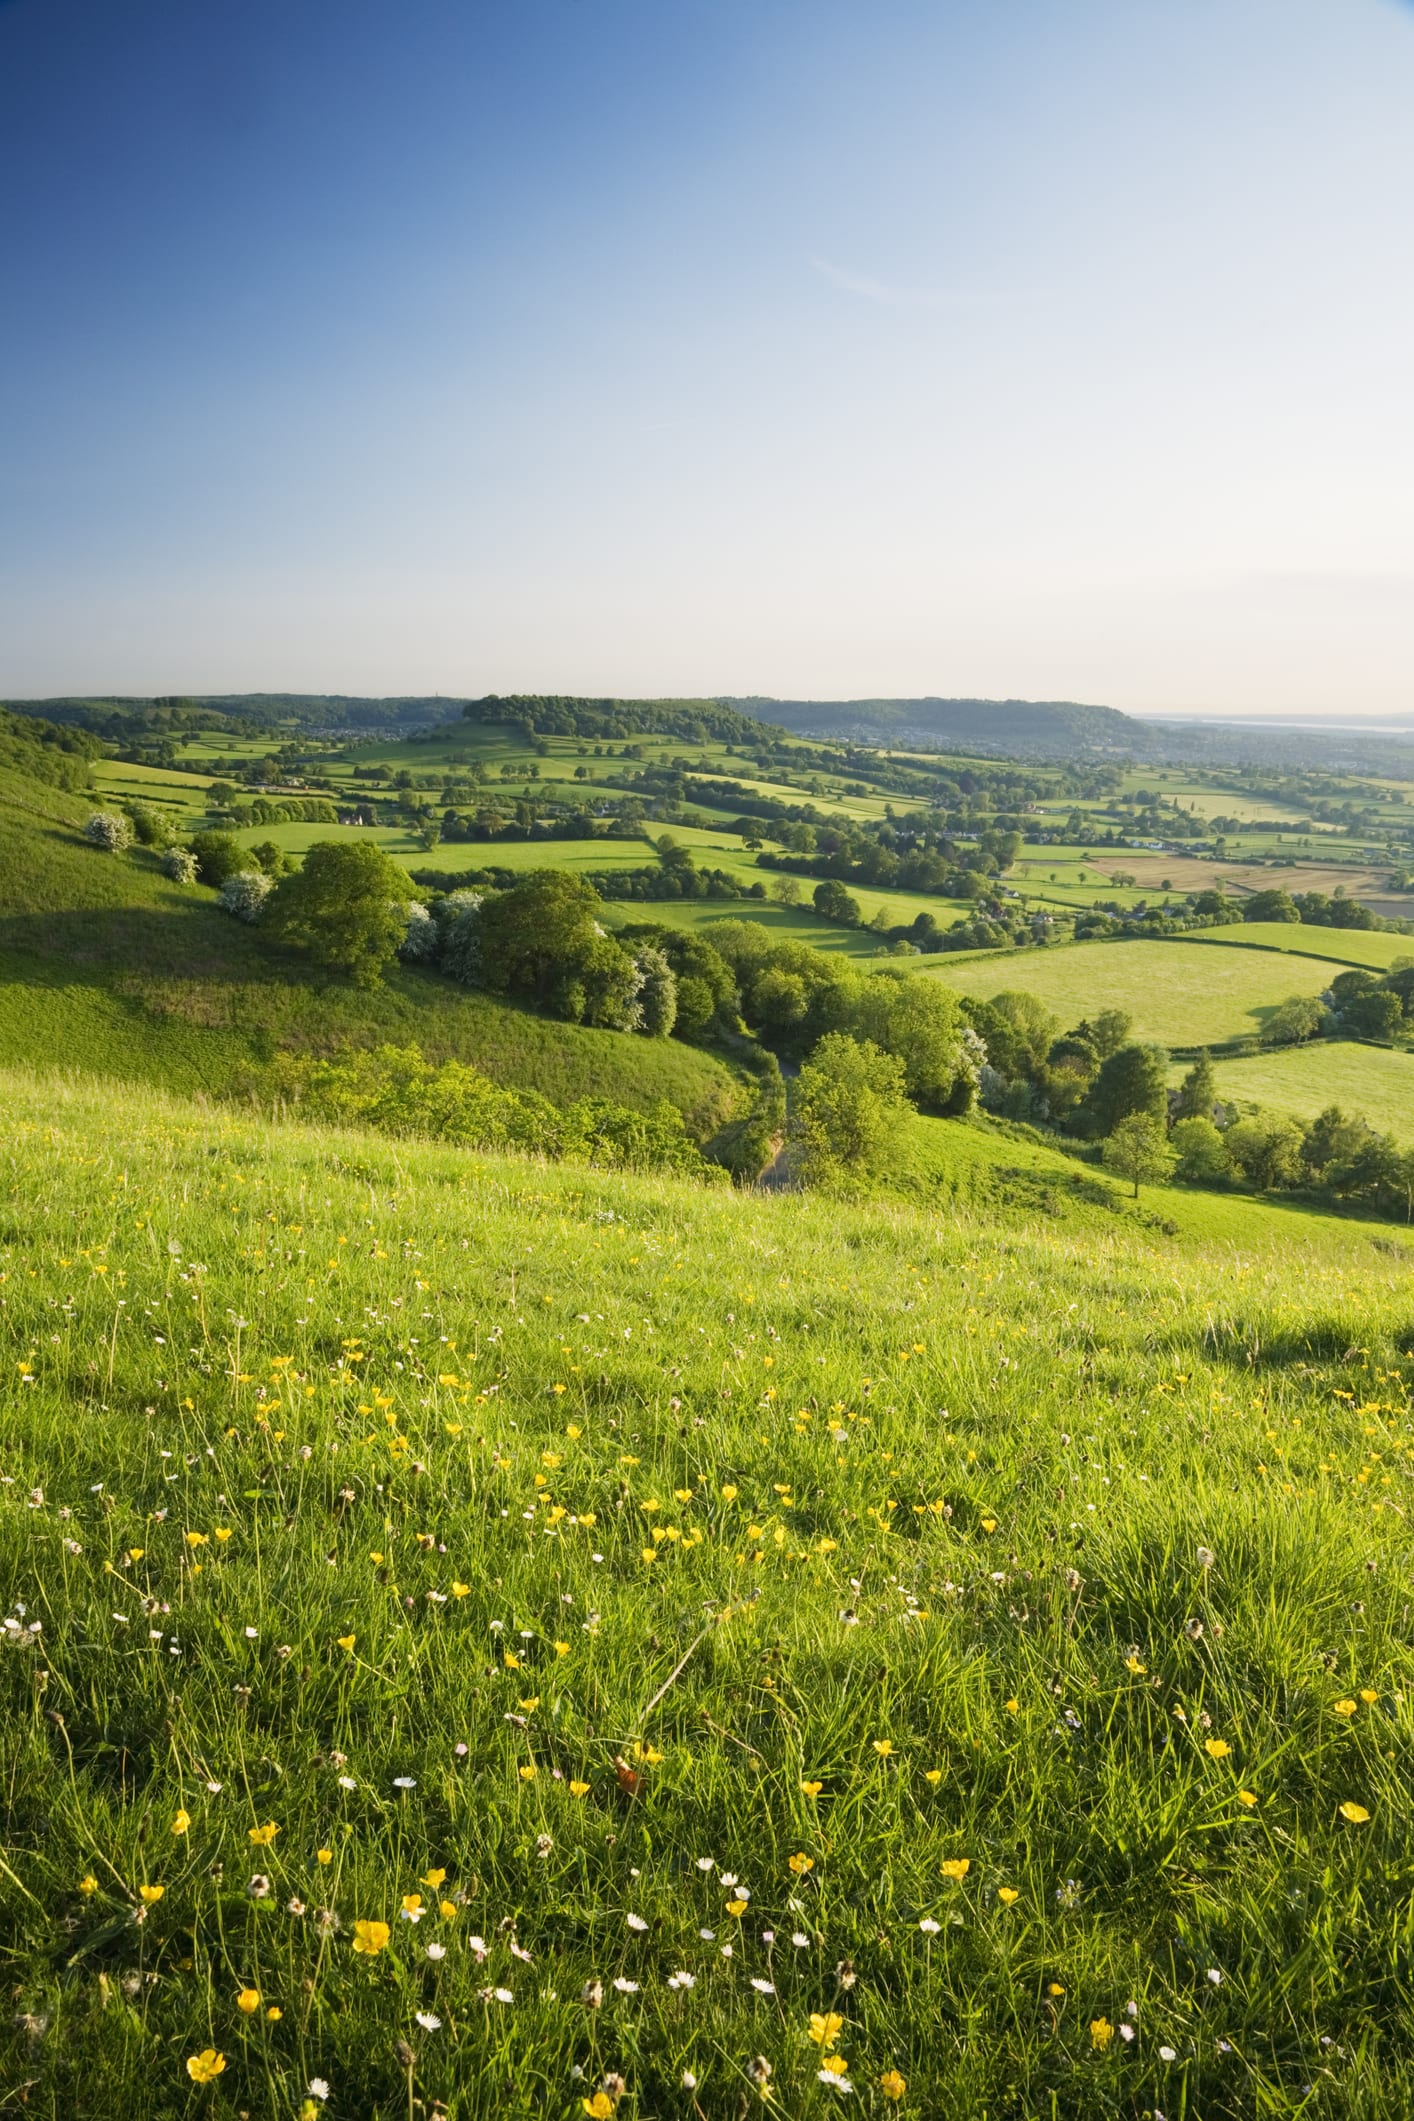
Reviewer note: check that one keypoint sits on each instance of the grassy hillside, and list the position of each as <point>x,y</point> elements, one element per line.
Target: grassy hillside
<point>105,966</point>
<point>1002,1628</point>
<point>1302,1080</point>
<point>1179,993</point>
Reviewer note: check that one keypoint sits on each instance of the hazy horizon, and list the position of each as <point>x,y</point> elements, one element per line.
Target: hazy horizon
<point>1055,352</point>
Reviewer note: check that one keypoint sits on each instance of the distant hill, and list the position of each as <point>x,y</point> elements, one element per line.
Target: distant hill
<point>1005,728</point>
<point>121,717</point>
<point>1069,729</point>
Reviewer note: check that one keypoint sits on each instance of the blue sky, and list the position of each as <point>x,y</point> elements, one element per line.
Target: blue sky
<point>1045,347</point>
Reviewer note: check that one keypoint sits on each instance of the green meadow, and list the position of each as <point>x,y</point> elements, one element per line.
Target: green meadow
<point>1376,1081</point>
<point>473,1626</point>
<point>1179,993</point>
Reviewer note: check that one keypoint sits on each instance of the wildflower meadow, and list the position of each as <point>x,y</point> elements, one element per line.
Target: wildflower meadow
<point>486,1638</point>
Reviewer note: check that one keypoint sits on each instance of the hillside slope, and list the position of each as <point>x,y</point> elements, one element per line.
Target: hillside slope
<point>1002,1633</point>
<point>108,967</point>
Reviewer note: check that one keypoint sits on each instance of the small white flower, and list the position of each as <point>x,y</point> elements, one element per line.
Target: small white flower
<point>1168,2054</point>
<point>763,1988</point>
<point>1215,1976</point>
<point>636,1922</point>
<point>477,1945</point>
<point>728,1878</point>
<point>726,1951</point>
<point>250,1634</point>
<point>799,1940</point>
<point>625,1988</point>
<point>318,2087</point>
<point>429,2021</point>
<point>839,2084</point>
<point>706,1863</point>
<point>215,1788</point>
<point>346,1782</point>
<point>1126,2032</point>
<point>929,1927</point>
<point>404,1782</point>
<point>689,2082</point>
<point>436,1951</point>
<point>708,1936</point>
<point>503,1995</point>
<point>682,1980</point>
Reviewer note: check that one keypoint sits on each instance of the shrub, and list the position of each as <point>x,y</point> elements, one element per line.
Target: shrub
<point>218,855</point>
<point>658,994</point>
<point>1294,1022</point>
<point>346,907</point>
<point>458,921</point>
<point>108,830</point>
<point>245,893</point>
<point>179,863</point>
<point>150,828</point>
<point>1266,1149</point>
<point>1200,1149</point>
<point>849,1096</point>
<point>421,939</point>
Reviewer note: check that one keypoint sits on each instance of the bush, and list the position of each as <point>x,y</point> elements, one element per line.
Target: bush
<point>1294,1022</point>
<point>848,1098</point>
<point>179,863</point>
<point>1200,1149</point>
<point>658,994</point>
<point>218,856</point>
<point>458,921</point>
<point>346,907</point>
<point>108,830</point>
<point>1266,1149</point>
<point>398,1091</point>
<point>149,826</point>
<point>421,937</point>
<point>245,893</point>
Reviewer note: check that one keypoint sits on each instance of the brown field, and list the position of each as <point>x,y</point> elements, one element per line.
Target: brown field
<point>1186,873</point>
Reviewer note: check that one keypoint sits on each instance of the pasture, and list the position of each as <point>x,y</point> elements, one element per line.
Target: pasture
<point>1374,1081</point>
<point>1177,993</point>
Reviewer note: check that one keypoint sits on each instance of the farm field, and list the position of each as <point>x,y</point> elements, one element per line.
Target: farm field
<point>660,1478</point>
<point>1346,946</point>
<point>1374,1081</point>
<point>1177,993</point>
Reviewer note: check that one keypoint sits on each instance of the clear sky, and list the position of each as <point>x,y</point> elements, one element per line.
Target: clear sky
<point>1057,348</point>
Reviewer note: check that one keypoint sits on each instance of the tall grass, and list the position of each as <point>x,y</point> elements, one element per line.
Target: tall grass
<point>977,1626</point>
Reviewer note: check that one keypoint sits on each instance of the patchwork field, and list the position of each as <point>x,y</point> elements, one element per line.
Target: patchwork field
<point>1178,993</point>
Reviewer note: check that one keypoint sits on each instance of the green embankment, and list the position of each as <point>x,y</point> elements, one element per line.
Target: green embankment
<point>1001,1624</point>
<point>107,967</point>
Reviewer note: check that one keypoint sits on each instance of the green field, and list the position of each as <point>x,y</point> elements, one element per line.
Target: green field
<point>999,1618</point>
<point>1177,993</point>
<point>1348,946</point>
<point>1302,1080</point>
